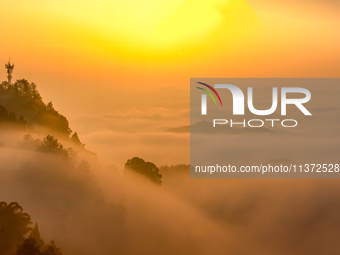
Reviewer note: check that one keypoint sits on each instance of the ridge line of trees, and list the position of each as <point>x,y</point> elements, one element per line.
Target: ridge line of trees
<point>23,98</point>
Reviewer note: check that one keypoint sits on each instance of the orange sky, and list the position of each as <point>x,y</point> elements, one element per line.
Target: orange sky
<point>142,42</point>
<point>83,52</point>
<point>102,62</point>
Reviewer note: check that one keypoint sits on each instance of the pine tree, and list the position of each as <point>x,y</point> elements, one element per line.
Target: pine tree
<point>35,234</point>
<point>76,140</point>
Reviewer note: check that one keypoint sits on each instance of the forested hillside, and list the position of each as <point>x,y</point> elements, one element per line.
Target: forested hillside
<point>23,99</point>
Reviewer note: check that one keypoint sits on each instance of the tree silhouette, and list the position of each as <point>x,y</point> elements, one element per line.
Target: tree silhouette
<point>148,169</point>
<point>35,234</point>
<point>34,245</point>
<point>75,139</point>
<point>8,117</point>
<point>23,98</point>
<point>51,145</point>
<point>14,225</point>
<point>30,143</point>
<point>29,247</point>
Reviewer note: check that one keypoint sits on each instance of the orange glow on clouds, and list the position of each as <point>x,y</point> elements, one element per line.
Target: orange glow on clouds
<point>162,43</point>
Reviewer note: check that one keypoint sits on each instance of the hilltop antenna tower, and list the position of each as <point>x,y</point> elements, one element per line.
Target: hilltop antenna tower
<point>9,68</point>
